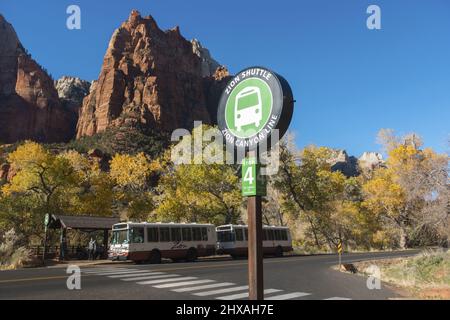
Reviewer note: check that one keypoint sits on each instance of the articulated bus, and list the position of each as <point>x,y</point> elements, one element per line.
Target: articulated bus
<point>232,240</point>
<point>150,242</point>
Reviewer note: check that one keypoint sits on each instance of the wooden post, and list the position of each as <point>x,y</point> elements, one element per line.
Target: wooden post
<point>44,251</point>
<point>255,248</point>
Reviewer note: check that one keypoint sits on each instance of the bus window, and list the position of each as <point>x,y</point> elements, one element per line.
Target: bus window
<point>204,234</point>
<point>152,234</point>
<point>175,233</point>
<point>164,234</point>
<point>271,234</point>
<point>284,236</point>
<point>246,233</point>
<point>225,236</point>
<point>187,234</point>
<point>239,234</point>
<point>137,235</point>
<point>277,234</point>
<point>120,237</point>
<point>265,237</point>
<point>196,234</point>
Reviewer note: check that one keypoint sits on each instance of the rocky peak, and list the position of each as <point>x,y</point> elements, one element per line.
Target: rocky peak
<point>29,103</point>
<point>71,92</point>
<point>341,161</point>
<point>135,18</point>
<point>9,51</point>
<point>149,78</point>
<point>221,73</point>
<point>371,160</point>
<point>209,65</point>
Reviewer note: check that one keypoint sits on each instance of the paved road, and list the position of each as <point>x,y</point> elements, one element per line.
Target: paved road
<point>287,278</point>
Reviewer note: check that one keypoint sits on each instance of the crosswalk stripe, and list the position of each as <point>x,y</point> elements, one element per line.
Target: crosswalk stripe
<point>208,286</point>
<point>245,295</point>
<point>337,298</point>
<point>117,272</point>
<point>136,275</point>
<point>106,270</point>
<point>151,277</point>
<point>213,292</point>
<point>166,280</point>
<point>288,296</point>
<point>180,284</point>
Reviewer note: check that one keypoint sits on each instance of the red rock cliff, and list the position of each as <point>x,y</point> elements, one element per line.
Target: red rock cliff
<point>29,104</point>
<point>149,78</point>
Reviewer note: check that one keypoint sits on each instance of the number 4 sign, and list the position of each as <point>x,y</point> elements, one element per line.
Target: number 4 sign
<point>253,183</point>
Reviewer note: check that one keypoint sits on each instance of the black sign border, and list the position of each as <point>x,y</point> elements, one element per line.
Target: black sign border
<point>283,107</point>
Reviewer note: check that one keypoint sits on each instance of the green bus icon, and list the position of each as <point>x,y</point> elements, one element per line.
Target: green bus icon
<point>247,109</point>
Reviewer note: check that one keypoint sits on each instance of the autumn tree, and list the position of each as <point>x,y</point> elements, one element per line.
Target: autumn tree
<point>201,190</point>
<point>38,187</point>
<point>310,189</point>
<point>132,178</point>
<point>411,193</point>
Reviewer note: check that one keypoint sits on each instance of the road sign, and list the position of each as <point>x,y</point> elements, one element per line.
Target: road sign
<point>253,182</point>
<point>254,103</point>
<point>339,247</point>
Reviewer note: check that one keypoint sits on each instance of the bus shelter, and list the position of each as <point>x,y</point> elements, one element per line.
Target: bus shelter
<point>87,224</point>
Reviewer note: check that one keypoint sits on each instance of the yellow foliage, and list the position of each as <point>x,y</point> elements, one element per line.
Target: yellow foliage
<point>131,171</point>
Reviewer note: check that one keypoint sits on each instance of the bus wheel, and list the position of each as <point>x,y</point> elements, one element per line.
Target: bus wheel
<point>279,252</point>
<point>191,255</point>
<point>155,257</point>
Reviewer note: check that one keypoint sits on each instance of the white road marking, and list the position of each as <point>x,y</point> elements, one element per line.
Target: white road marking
<point>213,292</point>
<point>180,284</point>
<point>151,277</point>
<point>136,275</point>
<point>245,295</point>
<point>208,286</point>
<point>117,272</point>
<point>166,280</point>
<point>288,296</point>
<point>105,270</point>
<point>337,298</point>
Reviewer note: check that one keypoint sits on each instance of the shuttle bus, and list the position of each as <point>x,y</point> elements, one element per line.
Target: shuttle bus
<point>248,108</point>
<point>150,242</point>
<point>232,240</point>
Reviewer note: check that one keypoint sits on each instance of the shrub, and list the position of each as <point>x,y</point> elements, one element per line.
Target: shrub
<point>12,254</point>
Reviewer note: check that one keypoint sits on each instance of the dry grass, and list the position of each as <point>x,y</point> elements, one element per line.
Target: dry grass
<point>425,276</point>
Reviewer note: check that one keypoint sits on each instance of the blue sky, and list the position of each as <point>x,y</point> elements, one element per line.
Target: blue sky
<point>348,81</point>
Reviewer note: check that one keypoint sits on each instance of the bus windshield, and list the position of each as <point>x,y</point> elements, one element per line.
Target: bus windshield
<point>120,237</point>
<point>225,236</point>
<point>248,100</point>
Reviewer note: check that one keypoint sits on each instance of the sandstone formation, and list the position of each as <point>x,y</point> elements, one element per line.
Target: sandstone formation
<point>209,65</point>
<point>150,78</point>
<point>29,103</point>
<point>213,87</point>
<point>351,166</point>
<point>371,160</point>
<point>71,92</point>
<point>344,163</point>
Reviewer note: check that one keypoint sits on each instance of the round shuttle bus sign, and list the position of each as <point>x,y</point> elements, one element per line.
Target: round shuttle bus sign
<point>254,103</point>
